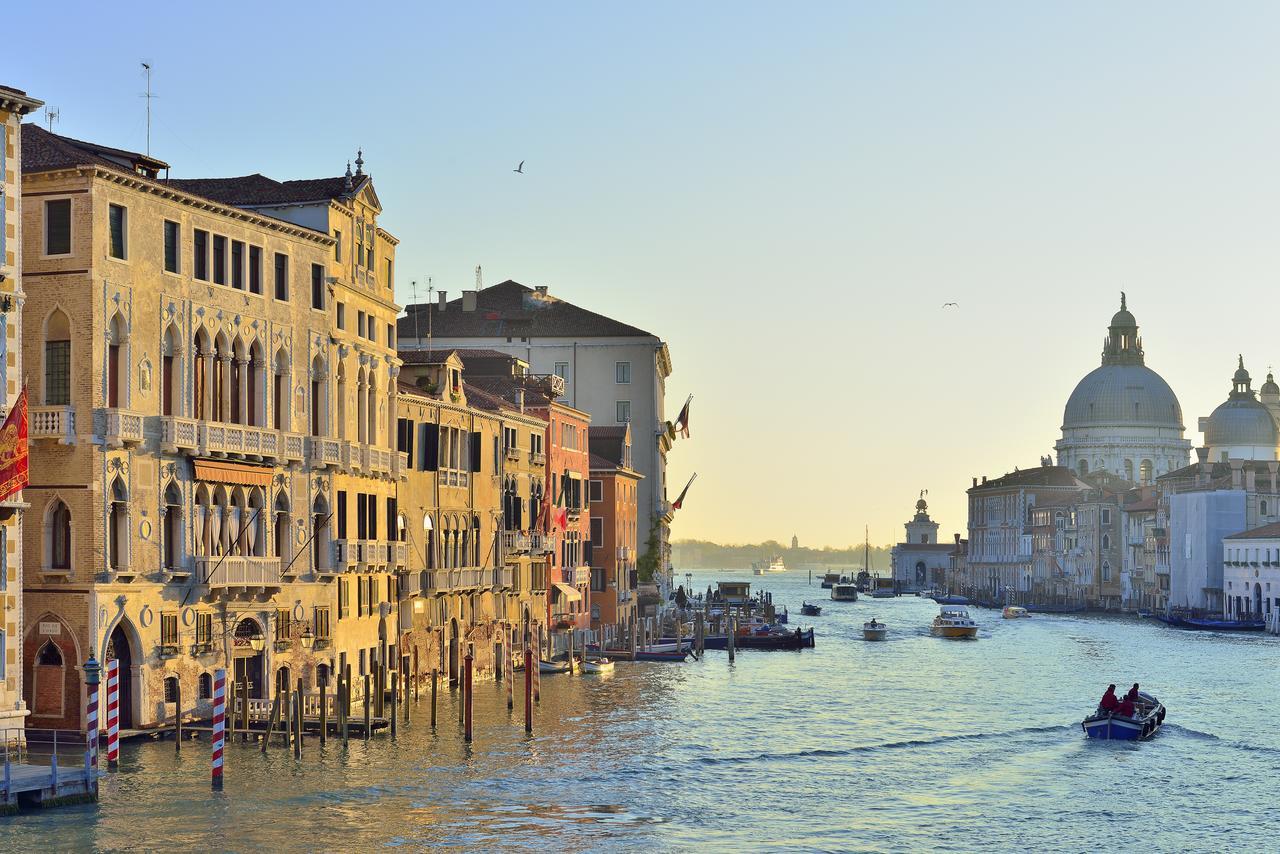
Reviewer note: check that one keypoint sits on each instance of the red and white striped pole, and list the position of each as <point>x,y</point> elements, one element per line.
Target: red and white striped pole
<point>92,673</point>
<point>219,724</point>
<point>113,714</point>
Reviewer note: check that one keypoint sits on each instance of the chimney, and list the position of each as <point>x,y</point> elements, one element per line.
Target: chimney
<point>1202,466</point>
<point>520,398</point>
<point>1236,467</point>
<point>444,299</point>
<point>957,536</point>
<point>984,478</point>
<point>975,481</point>
<point>542,290</point>
<point>468,300</point>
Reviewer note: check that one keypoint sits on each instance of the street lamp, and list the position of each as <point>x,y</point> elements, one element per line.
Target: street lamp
<point>257,641</point>
<point>308,639</point>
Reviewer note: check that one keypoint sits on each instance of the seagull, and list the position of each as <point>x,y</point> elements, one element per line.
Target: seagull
<point>519,168</point>
<point>951,305</point>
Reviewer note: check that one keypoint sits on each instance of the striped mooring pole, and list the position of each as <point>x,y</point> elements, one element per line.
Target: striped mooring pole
<point>92,674</point>
<point>113,714</point>
<point>219,724</point>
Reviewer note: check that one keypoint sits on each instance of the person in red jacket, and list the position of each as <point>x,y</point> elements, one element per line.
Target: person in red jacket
<point>1132,696</point>
<point>1125,709</point>
<point>1109,700</point>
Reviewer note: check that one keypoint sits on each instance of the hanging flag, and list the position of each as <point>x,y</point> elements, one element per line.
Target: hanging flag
<point>682,421</point>
<point>562,518</point>
<point>13,448</point>
<point>560,513</point>
<point>675,505</point>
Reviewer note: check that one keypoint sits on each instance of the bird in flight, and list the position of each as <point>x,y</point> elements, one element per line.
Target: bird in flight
<point>519,168</point>
<point>951,305</point>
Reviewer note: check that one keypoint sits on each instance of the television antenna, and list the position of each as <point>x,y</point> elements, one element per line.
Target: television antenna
<point>51,115</point>
<point>146,69</point>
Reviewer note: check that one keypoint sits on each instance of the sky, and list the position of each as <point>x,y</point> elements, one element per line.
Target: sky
<point>785,193</point>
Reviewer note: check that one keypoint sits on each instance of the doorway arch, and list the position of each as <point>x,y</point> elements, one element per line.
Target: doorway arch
<point>1257,600</point>
<point>124,646</point>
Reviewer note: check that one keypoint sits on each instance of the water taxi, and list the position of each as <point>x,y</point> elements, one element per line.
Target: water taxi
<point>831,579</point>
<point>1148,716</point>
<point>1014,612</point>
<point>874,630</point>
<point>843,591</point>
<point>809,609</point>
<point>953,622</point>
<point>774,565</point>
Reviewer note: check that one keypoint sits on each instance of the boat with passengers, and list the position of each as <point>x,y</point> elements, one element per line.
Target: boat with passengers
<point>1146,720</point>
<point>954,622</point>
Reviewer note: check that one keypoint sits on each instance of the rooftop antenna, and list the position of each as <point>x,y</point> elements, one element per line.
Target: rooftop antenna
<point>417,339</point>
<point>51,115</point>
<point>146,69</point>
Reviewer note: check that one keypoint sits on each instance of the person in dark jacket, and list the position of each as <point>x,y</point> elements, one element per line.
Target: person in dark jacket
<point>1109,701</point>
<point>1132,696</point>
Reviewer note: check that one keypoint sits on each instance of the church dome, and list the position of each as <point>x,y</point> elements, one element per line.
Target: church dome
<point>1269,387</point>
<point>1241,421</point>
<point>1123,395</point>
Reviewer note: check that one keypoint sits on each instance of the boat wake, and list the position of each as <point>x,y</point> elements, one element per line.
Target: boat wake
<point>872,748</point>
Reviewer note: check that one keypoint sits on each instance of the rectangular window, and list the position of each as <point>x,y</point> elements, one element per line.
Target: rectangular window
<point>363,668</point>
<point>597,532</point>
<point>597,490</point>
<point>282,277</point>
<point>219,259</point>
<point>391,335</point>
<point>200,254</point>
<point>342,316</point>
<point>204,628</point>
<point>342,514</point>
<point>388,272</point>
<point>360,591</point>
<point>322,628</point>
<point>1106,516</point>
<point>168,629</point>
<point>622,372</point>
<point>562,370</point>
<point>171,232</point>
<point>57,227</point>
<point>57,373</point>
<point>237,265</point>
<point>373,330</point>
<point>255,269</point>
<point>360,323</point>
<point>337,247</point>
<point>317,287</point>
<point>284,626</point>
<point>343,599</point>
<point>116,223</point>
<point>624,411</point>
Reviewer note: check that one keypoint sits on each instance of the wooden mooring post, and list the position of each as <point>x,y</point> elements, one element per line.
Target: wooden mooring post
<point>346,704</point>
<point>732,639</point>
<point>407,677</point>
<point>367,710</point>
<point>244,709</point>
<point>297,733</point>
<point>395,717</point>
<point>467,689</point>
<point>528,690</point>
<point>324,712</point>
<point>272,721</point>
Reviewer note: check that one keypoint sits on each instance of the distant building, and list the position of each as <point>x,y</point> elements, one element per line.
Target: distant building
<point>612,550</point>
<point>1251,573</point>
<point>795,542</point>
<point>1243,427</point>
<point>1122,417</point>
<point>920,561</point>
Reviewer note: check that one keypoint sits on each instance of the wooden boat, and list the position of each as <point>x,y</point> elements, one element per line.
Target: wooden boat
<point>953,622</point>
<point>874,630</point>
<point>950,600</point>
<point>1055,609</point>
<point>1206,624</point>
<point>810,610</point>
<point>663,652</point>
<point>553,666</point>
<point>843,591</point>
<point>831,579</point>
<point>1146,721</point>
<point>597,665</point>
<point>883,593</point>
<point>1014,612</point>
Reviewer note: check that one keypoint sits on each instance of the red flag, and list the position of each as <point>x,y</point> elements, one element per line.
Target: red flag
<point>682,421</point>
<point>562,518</point>
<point>13,449</point>
<point>675,505</point>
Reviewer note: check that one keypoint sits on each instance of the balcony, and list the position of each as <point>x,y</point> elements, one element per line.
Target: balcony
<point>515,543</point>
<point>219,439</point>
<point>291,447</point>
<point>349,457</point>
<point>537,458</point>
<point>230,571</point>
<point>355,555</point>
<point>400,465</point>
<point>471,577</point>
<point>581,576</point>
<point>409,585</point>
<point>625,554</point>
<point>513,453</point>
<point>541,544</point>
<point>52,422</point>
<point>401,551</point>
<point>323,453</point>
<point>502,578</point>
<point>378,462</point>
<point>179,434</point>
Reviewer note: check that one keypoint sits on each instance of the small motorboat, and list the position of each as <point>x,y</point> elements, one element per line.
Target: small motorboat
<point>1147,718</point>
<point>883,593</point>
<point>1208,624</point>
<point>843,591</point>
<point>951,600</point>
<point>874,630</point>
<point>556,666</point>
<point>810,610</point>
<point>953,622</point>
<point>1014,612</point>
<point>597,665</point>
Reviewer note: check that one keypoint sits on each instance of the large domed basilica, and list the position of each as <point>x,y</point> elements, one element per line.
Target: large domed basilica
<point>1122,417</point>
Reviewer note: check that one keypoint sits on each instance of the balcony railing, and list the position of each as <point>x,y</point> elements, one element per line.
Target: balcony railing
<point>238,571</point>
<point>323,452</point>
<point>409,584</point>
<point>581,575</point>
<point>378,462</point>
<point>537,458</point>
<point>292,447</point>
<point>218,438</point>
<point>401,551</point>
<point>123,427</point>
<point>515,542</point>
<point>500,578</point>
<point>400,465</point>
<point>179,434</point>
<point>52,422</point>
<point>540,544</point>
<point>358,554</point>
<point>512,453</point>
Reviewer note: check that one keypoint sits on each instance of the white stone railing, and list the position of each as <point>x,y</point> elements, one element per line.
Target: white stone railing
<point>219,438</point>
<point>179,434</point>
<point>238,571</point>
<point>52,422</point>
<point>324,452</point>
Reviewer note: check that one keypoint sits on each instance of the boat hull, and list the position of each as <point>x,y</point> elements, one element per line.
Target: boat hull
<point>597,667</point>
<point>950,600</point>
<point>649,655</point>
<point>1117,728</point>
<point>955,631</point>
<point>875,634</point>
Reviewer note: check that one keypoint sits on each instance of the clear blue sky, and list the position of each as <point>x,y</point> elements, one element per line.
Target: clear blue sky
<point>786,193</point>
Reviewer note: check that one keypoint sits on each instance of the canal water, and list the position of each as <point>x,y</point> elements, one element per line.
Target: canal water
<point>910,744</point>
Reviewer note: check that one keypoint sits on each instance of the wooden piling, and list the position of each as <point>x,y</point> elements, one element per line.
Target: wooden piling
<point>467,693</point>
<point>407,678</point>
<point>417,674</point>
<point>732,639</point>
<point>272,721</point>
<point>572,632</point>
<point>367,710</point>
<point>635,628</point>
<point>346,704</point>
<point>395,717</point>
<point>528,690</point>
<point>297,732</point>
<point>435,682</point>
<point>509,668</point>
<point>537,678</point>
<point>177,718</point>
<point>244,709</point>
<point>324,713</point>
<point>379,686</point>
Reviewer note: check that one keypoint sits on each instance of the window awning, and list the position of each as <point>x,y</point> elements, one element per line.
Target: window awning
<point>568,592</point>
<point>220,471</point>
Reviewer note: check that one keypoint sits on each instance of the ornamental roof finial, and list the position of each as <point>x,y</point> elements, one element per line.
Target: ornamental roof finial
<point>359,161</point>
<point>1122,305</point>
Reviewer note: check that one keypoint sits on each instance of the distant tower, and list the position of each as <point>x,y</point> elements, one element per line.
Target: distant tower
<point>795,542</point>
<point>922,530</point>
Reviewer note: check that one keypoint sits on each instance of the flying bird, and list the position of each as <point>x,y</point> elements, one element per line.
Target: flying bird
<point>951,305</point>
<point>519,168</point>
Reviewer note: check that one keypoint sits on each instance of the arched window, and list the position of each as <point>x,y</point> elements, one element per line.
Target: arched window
<point>1106,542</point>
<point>58,544</point>
<point>320,534</point>
<point>1263,507</point>
<point>1128,470</point>
<point>1083,467</point>
<point>429,537</point>
<point>170,371</point>
<point>256,524</point>
<point>206,686</point>
<point>342,399</point>
<point>319,398</point>
<point>221,410</point>
<point>116,340</point>
<point>118,526</point>
<point>57,360</point>
<point>281,523</point>
<point>220,513</point>
<point>280,386</point>
<point>172,532</point>
<point>361,402</point>
<point>237,369</point>
<point>49,655</point>
<point>475,541</point>
<point>1146,472</point>
<point>202,355</point>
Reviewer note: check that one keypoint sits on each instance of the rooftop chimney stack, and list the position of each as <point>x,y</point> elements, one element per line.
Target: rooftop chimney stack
<point>444,300</point>
<point>468,300</point>
<point>542,290</point>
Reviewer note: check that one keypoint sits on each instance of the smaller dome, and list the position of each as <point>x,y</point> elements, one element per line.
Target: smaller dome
<point>1241,375</point>
<point>1123,317</point>
<point>1270,387</point>
<point>922,505</point>
<point>1241,421</point>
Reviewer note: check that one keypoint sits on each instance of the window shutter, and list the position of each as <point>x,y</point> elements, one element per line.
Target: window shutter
<point>429,448</point>
<point>475,452</point>
<point>361,522</point>
<point>342,514</point>
<point>519,512</point>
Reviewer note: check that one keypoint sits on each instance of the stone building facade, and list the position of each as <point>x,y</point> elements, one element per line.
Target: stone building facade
<point>14,104</point>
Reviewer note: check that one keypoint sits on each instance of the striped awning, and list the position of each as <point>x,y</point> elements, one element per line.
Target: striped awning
<point>221,471</point>
<point>568,592</point>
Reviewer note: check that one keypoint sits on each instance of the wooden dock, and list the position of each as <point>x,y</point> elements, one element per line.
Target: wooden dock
<point>50,769</point>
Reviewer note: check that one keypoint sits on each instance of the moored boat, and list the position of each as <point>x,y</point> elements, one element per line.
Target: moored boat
<point>1014,612</point>
<point>808,609</point>
<point>874,630</point>
<point>545,666</point>
<point>1208,624</point>
<point>597,665</point>
<point>883,593</point>
<point>1145,722</point>
<point>950,600</point>
<point>953,622</point>
<point>831,579</point>
<point>843,591</point>
<point>651,654</point>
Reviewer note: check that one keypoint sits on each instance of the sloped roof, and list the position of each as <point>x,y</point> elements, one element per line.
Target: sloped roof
<point>258,189</point>
<point>511,309</point>
<point>1266,532</point>
<point>1039,476</point>
<point>43,151</point>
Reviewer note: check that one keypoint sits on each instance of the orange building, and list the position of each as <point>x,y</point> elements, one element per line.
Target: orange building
<point>613,493</point>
